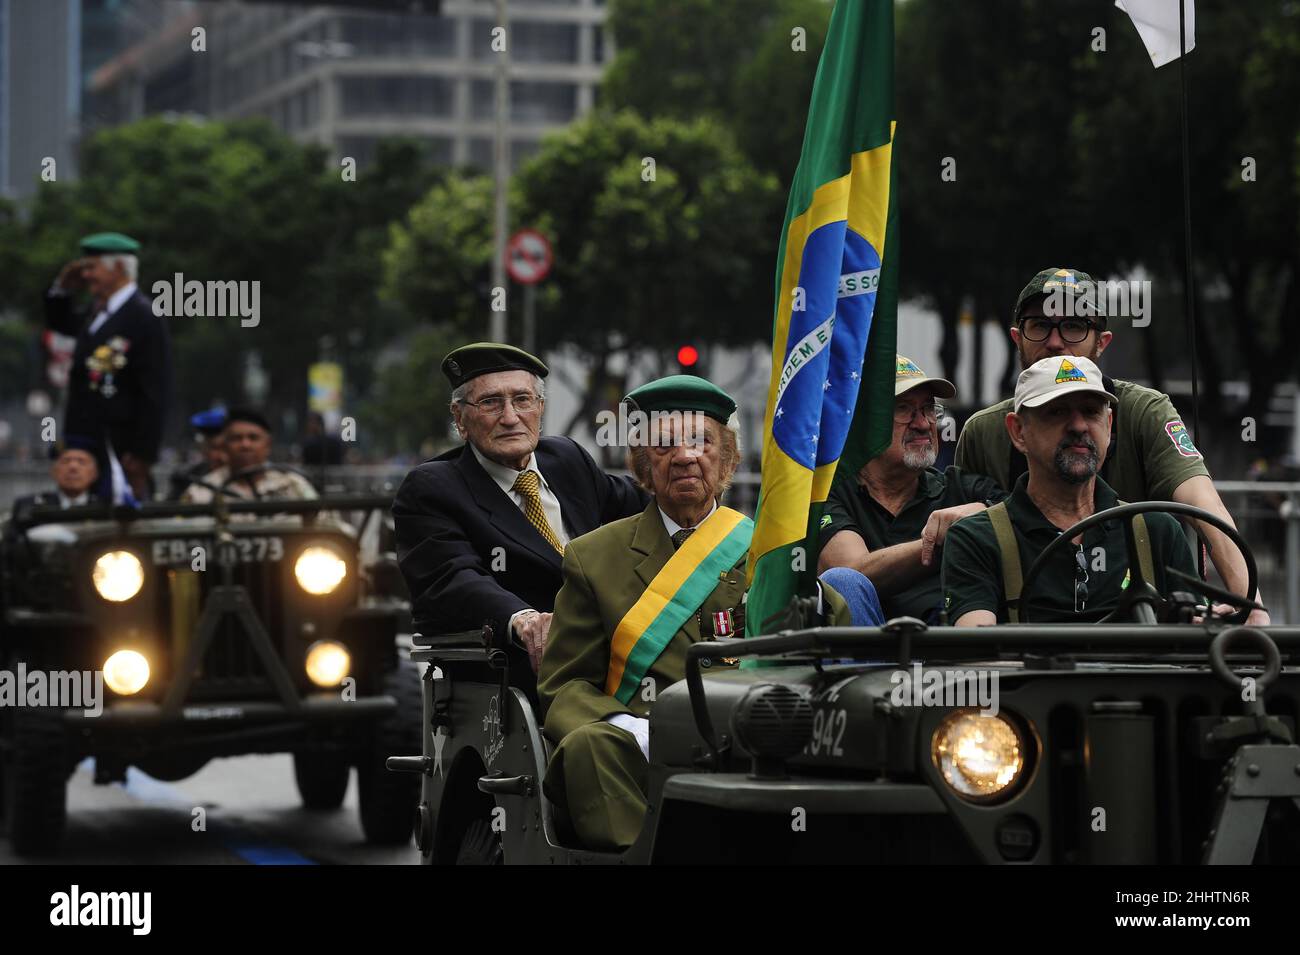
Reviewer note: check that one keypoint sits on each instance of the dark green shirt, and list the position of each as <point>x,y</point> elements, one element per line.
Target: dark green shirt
<point>972,563</point>
<point>850,508</point>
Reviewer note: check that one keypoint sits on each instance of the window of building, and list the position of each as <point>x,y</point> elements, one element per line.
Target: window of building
<point>543,102</point>
<point>532,41</point>
<point>396,95</point>
<point>398,34</point>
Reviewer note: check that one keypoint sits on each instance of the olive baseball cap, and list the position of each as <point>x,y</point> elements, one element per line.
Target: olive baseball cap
<point>483,358</point>
<point>683,393</point>
<point>1069,281</point>
<point>908,375</point>
<point>1051,378</point>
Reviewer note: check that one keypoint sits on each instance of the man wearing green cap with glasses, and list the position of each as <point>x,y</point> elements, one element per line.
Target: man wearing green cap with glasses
<point>119,385</point>
<point>1151,458</point>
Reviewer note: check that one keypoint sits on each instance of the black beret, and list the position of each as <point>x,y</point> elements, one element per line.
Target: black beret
<point>251,415</point>
<point>483,358</point>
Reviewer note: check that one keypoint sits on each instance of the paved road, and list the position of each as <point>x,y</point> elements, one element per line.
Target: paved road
<point>253,816</point>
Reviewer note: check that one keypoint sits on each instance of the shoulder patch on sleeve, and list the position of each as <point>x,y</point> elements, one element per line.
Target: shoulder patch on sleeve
<point>1181,438</point>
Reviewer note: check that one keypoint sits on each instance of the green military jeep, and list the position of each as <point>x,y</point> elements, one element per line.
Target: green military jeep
<point>1129,741</point>
<point>213,630</point>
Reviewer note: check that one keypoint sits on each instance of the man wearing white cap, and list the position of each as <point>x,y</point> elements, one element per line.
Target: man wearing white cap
<point>1062,425</point>
<point>889,520</point>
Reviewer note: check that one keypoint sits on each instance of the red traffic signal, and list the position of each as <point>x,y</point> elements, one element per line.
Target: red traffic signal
<point>687,356</point>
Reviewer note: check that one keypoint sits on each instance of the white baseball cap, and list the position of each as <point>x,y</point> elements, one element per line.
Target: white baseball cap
<point>1051,378</point>
<point>908,375</point>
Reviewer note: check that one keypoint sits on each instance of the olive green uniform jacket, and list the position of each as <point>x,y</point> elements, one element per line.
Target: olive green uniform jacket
<point>597,776</point>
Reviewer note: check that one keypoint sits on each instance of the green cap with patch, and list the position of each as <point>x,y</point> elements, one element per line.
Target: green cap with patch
<point>683,393</point>
<point>483,358</point>
<point>109,243</point>
<point>1069,281</point>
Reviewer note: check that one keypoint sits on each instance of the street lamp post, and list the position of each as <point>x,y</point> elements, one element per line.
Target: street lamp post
<point>501,164</point>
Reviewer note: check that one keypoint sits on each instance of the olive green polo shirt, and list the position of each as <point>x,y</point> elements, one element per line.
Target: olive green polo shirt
<point>1151,451</point>
<point>851,508</point>
<point>972,562</point>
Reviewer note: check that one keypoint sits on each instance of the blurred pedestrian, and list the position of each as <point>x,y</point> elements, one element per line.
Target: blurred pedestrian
<point>207,427</point>
<point>319,448</point>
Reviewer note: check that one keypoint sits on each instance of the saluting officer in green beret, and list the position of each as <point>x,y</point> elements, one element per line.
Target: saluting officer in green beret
<point>636,594</point>
<point>119,386</point>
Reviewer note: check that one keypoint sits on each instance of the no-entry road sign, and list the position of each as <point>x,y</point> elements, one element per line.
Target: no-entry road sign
<point>528,257</point>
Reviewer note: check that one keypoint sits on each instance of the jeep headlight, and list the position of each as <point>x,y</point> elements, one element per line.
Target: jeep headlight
<point>328,662</point>
<point>980,757</point>
<point>118,575</point>
<point>319,570</point>
<point>126,672</point>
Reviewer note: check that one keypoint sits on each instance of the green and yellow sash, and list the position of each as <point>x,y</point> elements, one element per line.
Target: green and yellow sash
<point>676,592</point>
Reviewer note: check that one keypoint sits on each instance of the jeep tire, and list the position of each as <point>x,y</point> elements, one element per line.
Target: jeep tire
<point>34,774</point>
<point>389,800</point>
<point>322,778</point>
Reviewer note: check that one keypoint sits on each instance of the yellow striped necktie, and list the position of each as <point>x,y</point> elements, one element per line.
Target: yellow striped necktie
<point>528,487</point>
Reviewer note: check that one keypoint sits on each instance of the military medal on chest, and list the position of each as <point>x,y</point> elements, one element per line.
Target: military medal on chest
<point>104,362</point>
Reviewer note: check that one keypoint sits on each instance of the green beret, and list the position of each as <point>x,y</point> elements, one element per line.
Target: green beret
<point>1046,281</point>
<point>683,393</point>
<point>483,358</point>
<point>109,243</point>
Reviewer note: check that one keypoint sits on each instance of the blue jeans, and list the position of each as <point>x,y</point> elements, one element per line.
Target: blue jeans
<point>858,592</point>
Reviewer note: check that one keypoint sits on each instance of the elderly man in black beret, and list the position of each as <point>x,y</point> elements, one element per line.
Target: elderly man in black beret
<point>481,529</point>
<point>246,440</point>
<point>74,472</point>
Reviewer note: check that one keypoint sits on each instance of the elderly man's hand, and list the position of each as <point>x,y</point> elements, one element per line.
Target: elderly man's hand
<point>936,528</point>
<point>532,629</point>
<point>70,277</point>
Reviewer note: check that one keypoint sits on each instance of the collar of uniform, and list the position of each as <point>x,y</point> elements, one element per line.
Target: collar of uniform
<point>1028,518</point>
<point>78,501</point>
<point>672,527</point>
<point>505,477</point>
<point>118,298</point>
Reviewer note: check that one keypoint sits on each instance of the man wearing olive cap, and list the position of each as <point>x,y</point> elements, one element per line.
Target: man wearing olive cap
<point>119,385</point>
<point>481,528</point>
<point>637,593</point>
<point>1152,457</point>
<point>891,519</point>
<point>1061,423</point>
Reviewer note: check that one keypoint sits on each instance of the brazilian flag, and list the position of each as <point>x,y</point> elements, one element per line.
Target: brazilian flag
<point>830,400</point>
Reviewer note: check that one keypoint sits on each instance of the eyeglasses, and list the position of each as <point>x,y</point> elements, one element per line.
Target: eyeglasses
<point>496,404</point>
<point>903,412</point>
<point>1080,580</point>
<point>1071,330</point>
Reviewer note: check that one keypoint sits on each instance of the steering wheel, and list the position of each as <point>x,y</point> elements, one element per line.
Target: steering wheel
<point>1140,589</point>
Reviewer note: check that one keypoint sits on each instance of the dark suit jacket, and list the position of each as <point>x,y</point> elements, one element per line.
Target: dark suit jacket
<point>126,405</point>
<point>24,505</point>
<point>449,516</point>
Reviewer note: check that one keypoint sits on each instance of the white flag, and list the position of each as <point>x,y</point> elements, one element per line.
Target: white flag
<point>1157,25</point>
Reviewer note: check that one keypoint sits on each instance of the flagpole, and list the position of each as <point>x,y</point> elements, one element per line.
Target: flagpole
<point>1188,294</point>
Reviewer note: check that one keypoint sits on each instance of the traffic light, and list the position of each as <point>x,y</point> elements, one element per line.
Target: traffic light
<point>688,360</point>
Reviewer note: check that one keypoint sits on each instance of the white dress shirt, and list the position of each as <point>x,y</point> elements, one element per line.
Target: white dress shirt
<point>115,301</point>
<point>66,502</point>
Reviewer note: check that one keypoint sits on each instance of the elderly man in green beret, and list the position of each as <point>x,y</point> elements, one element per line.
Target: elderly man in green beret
<point>636,594</point>
<point>119,385</point>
